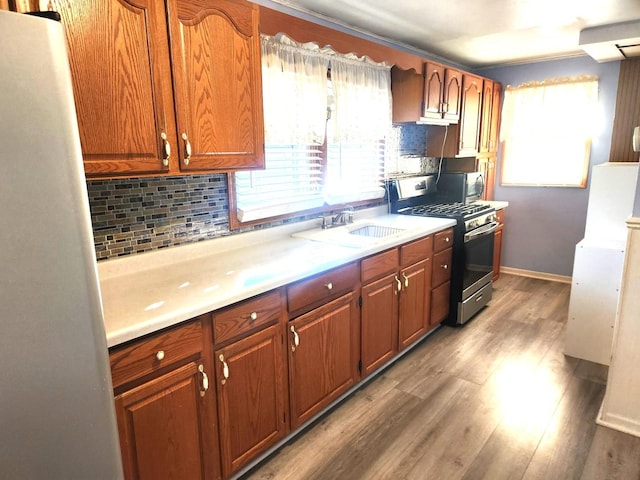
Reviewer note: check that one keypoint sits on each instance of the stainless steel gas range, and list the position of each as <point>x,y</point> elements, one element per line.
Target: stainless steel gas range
<point>473,238</point>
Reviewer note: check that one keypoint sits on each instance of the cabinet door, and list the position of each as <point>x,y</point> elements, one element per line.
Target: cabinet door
<point>415,300</point>
<point>407,88</point>
<point>452,94</point>
<point>433,90</point>
<point>487,166</point>
<point>161,427</point>
<point>252,411</point>
<point>119,58</point>
<point>497,246</point>
<point>487,111</point>
<point>379,323</point>
<point>470,116</point>
<point>494,133</point>
<point>323,356</point>
<point>440,303</point>
<point>216,64</point>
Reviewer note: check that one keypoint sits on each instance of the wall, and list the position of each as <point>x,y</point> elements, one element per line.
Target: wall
<point>135,215</point>
<point>544,224</point>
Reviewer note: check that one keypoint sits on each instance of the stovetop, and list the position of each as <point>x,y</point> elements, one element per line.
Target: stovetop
<point>451,210</point>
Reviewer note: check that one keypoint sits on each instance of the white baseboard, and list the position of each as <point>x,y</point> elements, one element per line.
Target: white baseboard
<point>533,274</point>
<point>618,422</point>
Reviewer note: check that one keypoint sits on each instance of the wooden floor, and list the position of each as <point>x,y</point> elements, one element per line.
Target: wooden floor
<point>496,399</point>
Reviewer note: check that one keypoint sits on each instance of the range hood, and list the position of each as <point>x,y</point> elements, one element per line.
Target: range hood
<point>616,41</point>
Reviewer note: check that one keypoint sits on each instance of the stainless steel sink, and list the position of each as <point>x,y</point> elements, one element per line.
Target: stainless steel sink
<point>375,231</point>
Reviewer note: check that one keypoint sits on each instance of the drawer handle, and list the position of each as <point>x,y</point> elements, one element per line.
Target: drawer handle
<point>329,286</point>
<point>205,381</point>
<point>398,285</point>
<point>296,339</point>
<point>406,281</point>
<point>160,355</point>
<point>444,267</point>
<point>446,239</point>
<point>225,369</point>
<point>253,316</point>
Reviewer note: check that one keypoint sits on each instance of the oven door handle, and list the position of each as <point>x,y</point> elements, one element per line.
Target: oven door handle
<point>481,231</point>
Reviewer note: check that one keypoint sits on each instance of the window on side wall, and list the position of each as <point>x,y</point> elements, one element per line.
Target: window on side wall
<point>324,134</point>
<point>546,132</point>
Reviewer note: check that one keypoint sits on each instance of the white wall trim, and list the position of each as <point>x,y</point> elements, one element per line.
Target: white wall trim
<point>618,422</point>
<point>533,274</point>
<point>633,223</point>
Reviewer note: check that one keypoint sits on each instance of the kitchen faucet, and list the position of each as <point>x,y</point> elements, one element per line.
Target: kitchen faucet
<point>341,218</point>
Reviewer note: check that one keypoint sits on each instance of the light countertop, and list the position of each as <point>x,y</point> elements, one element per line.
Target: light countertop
<point>147,292</point>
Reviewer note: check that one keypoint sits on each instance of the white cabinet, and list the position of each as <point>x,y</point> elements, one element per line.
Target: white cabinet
<point>597,268</point>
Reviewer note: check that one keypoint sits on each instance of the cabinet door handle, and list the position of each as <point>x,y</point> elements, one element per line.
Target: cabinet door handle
<point>253,317</point>
<point>406,280</point>
<point>398,284</point>
<point>205,381</point>
<point>225,369</point>
<point>444,266</point>
<point>296,339</point>
<point>187,149</point>
<point>160,355</point>
<point>329,286</point>
<point>166,148</point>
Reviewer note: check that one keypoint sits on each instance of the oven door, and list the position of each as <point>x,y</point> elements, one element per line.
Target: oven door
<point>478,254</point>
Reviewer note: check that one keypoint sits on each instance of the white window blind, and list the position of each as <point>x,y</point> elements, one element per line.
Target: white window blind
<point>291,182</point>
<point>546,132</point>
<point>299,173</point>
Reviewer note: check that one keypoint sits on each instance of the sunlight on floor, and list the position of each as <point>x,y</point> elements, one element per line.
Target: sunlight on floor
<point>526,396</point>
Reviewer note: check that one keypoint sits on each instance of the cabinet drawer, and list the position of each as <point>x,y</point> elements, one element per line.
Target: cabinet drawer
<point>416,251</point>
<point>441,267</point>
<point>246,316</point>
<point>442,240</point>
<point>379,265</point>
<point>500,216</point>
<point>310,293</point>
<point>152,353</point>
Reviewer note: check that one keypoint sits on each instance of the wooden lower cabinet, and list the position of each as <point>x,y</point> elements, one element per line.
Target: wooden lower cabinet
<point>164,407</point>
<point>252,397</point>
<point>323,356</point>
<point>415,299</point>
<point>440,303</point>
<point>379,323</point>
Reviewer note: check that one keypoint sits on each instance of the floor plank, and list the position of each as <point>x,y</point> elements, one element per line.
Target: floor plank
<point>495,399</point>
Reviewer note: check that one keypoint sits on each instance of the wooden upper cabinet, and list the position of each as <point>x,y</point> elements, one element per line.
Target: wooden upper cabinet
<point>487,110</point>
<point>452,94</point>
<point>407,88</point>
<point>126,102</point>
<point>433,90</point>
<point>470,116</point>
<point>218,85</point>
<point>496,106</point>
<point>432,94</point>
<point>119,58</point>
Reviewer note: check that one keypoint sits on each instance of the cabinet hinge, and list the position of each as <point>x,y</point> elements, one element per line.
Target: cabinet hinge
<point>360,301</point>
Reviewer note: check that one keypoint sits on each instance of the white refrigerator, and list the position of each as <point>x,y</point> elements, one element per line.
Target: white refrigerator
<point>57,418</point>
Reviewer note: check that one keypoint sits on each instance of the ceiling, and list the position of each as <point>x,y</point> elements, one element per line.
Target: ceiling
<point>480,33</point>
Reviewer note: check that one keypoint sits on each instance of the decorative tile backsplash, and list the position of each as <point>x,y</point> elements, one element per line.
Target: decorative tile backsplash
<point>136,215</point>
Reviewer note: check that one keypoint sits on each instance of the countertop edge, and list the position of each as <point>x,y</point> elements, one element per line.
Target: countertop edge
<point>122,281</point>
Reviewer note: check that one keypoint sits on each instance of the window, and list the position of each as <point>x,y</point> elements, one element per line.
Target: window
<point>546,132</point>
<point>324,139</point>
